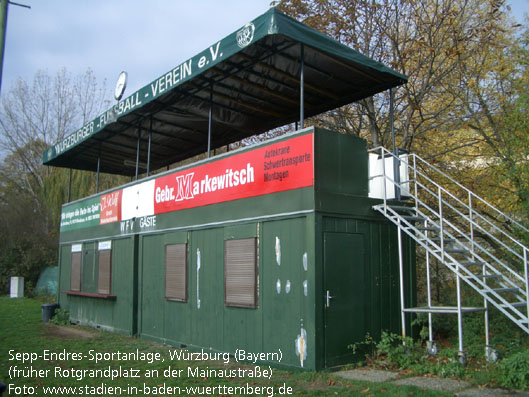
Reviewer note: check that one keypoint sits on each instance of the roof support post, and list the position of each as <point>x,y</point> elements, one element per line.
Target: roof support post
<point>396,161</point>
<point>138,152</point>
<point>97,173</point>
<point>210,118</point>
<point>69,186</point>
<point>149,149</point>
<point>391,121</point>
<point>3,28</point>
<point>302,88</point>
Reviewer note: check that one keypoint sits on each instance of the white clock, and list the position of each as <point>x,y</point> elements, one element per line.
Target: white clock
<point>121,84</point>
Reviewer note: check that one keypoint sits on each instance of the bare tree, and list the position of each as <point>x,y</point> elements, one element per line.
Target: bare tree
<point>33,116</point>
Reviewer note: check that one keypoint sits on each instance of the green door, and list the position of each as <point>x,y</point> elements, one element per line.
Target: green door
<point>344,296</point>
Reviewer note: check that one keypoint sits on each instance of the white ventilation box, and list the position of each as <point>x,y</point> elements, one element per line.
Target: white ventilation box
<point>17,287</point>
<point>379,166</point>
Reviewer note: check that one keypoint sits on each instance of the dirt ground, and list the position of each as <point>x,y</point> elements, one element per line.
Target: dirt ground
<point>53,331</point>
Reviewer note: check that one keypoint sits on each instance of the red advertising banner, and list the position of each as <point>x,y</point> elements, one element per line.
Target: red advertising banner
<point>110,208</point>
<point>274,168</point>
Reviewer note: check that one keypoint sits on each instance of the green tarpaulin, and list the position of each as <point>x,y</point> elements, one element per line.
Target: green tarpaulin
<point>251,82</point>
<point>48,280</point>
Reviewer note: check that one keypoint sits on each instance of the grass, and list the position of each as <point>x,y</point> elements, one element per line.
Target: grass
<point>22,331</point>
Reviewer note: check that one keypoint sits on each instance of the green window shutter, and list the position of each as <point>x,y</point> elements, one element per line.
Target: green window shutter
<point>176,272</point>
<point>240,272</point>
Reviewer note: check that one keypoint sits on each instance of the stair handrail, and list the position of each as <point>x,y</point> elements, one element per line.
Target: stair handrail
<point>460,233</point>
<point>472,194</point>
<point>382,149</point>
<point>384,152</point>
<point>471,221</point>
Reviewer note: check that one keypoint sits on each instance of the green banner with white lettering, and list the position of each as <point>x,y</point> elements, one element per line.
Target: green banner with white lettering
<point>80,214</point>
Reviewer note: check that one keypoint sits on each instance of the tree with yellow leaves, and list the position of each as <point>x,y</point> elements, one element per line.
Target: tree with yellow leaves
<point>460,57</point>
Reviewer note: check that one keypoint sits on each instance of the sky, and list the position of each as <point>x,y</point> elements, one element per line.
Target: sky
<point>519,9</point>
<point>145,39</point>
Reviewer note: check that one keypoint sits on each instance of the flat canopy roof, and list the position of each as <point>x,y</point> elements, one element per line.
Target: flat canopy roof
<point>250,81</point>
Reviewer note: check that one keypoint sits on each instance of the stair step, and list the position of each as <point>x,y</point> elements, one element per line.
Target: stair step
<point>427,228</point>
<point>515,304</point>
<point>455,251</point>
<point>413,218</point>
<point>437,240</point>
<point>446,240</point>
<point>507,289</point>
<point>471,263</point>
<point>401,208</point>
<point>489,275</point>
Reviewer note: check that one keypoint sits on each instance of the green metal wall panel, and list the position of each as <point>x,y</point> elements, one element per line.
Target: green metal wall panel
<point>152,286</point>
<point>123,285</point>
<point>206,292</point>
<point>288,313</point>
<point>373,274</point>
<point>65,266</point>
<point>341,164</point>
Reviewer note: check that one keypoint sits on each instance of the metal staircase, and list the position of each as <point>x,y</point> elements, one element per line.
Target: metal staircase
<point>468,236</point>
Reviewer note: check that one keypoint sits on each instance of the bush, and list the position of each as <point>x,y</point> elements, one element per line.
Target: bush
<point>61,317</point>
<point>515,371</point>
<point>399,351</point>
<point>392,349</point>
<point>447,369</point>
